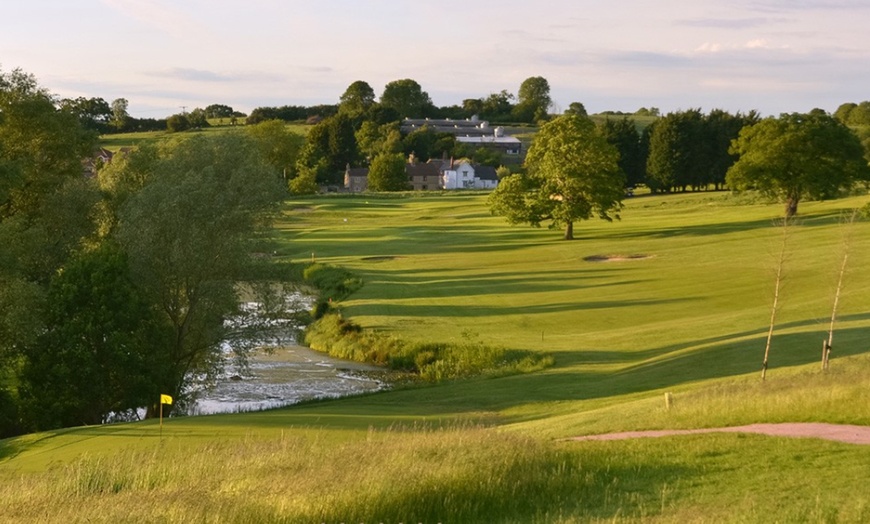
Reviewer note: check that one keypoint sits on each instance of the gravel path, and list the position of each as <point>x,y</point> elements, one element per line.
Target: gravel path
<point>837,432</point>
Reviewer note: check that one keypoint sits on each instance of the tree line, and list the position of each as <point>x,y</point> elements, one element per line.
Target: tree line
<point>576,170</point>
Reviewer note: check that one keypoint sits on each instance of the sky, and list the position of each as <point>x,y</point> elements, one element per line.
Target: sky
<point>165,56</point>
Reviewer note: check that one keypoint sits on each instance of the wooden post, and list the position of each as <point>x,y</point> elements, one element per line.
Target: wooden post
<point>669,401</point>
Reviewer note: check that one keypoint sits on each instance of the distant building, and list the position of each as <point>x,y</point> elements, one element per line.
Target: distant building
<point>431,176</point>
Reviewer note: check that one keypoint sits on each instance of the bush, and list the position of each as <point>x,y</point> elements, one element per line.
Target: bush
<point>342,338</point>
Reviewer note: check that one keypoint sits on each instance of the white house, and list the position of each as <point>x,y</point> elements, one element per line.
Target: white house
<point>462,174</point>
<point>457,175</point>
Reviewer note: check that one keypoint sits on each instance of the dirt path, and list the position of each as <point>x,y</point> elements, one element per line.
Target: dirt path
<point>837,432</point>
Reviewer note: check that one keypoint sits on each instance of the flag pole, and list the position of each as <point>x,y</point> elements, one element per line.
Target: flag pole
<point>161,418</point>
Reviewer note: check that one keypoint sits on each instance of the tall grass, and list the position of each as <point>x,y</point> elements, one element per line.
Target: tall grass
<point>453,474</point>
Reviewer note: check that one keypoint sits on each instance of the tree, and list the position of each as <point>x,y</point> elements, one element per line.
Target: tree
<point>357,98</point>
<point>373,139</point>
<point>278,145</point>
<point>45,215</point>
<point>387,173</point>
<point>797,156</point>
<point>573,174</point>
<point>677,152</point>
<point>198,118</point>
<point>93,113</point>
<point>177,123</point>
<point>187,232</point>
<point>40,147</point>
<point>426,143</point>
<point>623,135</point>
<point>119,113</point>
<point>101,351</point>
<point>497,106</point>
<point>219,111</point>
<point>533,99</point>
<point>407,98</point>
<point>720,129</point>
<point>576,108</point>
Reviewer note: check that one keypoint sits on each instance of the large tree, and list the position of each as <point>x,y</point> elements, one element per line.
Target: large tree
<point>187,233</point>
<point>797,156</point>
<point>101,352</point>
<point>572,174</point>
<point>387,173</point>
<point>407,98</point>
<point>533,99</point>
<point>357,98</point>
<point>45,210</point>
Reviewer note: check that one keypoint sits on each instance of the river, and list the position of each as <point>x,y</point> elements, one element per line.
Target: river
<point>287,375</point>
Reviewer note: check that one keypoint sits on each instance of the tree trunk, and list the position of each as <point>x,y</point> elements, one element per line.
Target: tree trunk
<point>569,231</point>
<point>791,205</point>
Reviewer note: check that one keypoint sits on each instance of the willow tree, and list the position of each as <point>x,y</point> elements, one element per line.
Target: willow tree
<point>572,174</point>
<point>188,234</point>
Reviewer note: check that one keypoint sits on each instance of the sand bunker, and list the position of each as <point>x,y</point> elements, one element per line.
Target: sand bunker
<point>616,258</point>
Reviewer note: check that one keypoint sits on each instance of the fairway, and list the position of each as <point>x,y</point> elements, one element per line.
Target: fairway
<point>674,298</point>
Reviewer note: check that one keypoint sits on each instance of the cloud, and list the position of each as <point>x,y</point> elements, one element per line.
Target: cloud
<point>730,23</point>
<point>200,75</point>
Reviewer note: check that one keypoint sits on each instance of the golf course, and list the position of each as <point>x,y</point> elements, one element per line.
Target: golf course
<point>656,321</point>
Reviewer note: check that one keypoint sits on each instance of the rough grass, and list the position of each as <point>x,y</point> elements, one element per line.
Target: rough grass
<point>690,320</point>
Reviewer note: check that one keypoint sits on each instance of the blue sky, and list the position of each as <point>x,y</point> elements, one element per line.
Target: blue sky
<point>769,55</point>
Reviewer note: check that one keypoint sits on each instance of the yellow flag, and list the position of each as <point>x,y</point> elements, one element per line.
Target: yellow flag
<point>165,399</point>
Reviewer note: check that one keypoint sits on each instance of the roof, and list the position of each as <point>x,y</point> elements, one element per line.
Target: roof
<point>488,139</point>
<point>485,172</point>
<point>357,171</point>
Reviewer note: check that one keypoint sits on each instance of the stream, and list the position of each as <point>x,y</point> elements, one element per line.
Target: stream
<point>286,376</point>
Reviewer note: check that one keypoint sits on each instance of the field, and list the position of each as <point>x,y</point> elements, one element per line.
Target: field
<point>674,298</point>
<point>114,142</point>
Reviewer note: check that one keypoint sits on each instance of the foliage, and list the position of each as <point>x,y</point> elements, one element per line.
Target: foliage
<point>93,113</point>
<point>278,146</point>
<point>407,98</point>
<point>387,173</point>
<point>623,135</point>
<point>798,156</point>
<point>40,147</point>
<point>186,233</point>
<point>357,98</point>
<point>576,108</point>
<point>177,123</point>
<point>119,113</point>
<point>425,143</point>
<point>431,362</point>
<point>219,111</point>
<point>373,139</point>
<point>572,175</point>
<point>688,149</point>
<point>100,354</point>
<point>290,113</point>
<point>330,147</point>
<point>533,100</point>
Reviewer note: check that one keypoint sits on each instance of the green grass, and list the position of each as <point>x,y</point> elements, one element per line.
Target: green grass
<point>114,142</point>
<point>691,319</point>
